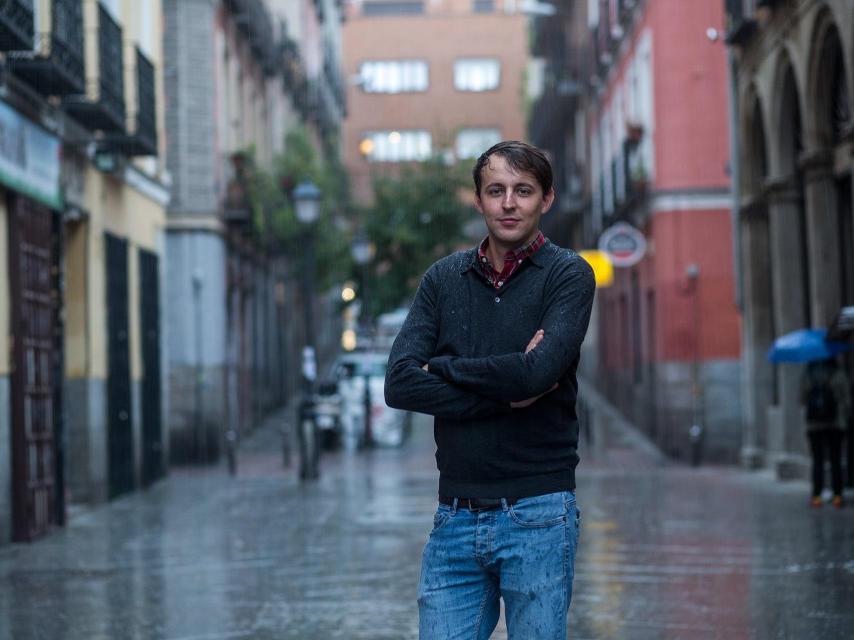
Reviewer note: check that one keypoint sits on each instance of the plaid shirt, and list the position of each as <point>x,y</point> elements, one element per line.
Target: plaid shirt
<point>512,260</point>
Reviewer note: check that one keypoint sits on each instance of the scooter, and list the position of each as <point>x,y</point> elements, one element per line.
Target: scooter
<point>327,415</point>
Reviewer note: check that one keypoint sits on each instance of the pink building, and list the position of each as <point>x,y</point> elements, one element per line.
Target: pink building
<point>668,329</point>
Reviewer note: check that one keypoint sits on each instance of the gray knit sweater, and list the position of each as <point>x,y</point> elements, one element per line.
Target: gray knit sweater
<point>473,338</point>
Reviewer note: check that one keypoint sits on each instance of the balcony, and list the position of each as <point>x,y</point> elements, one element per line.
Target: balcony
<point>334,81</point>
<point>236,203</point>
<point>55,66</point>
<point>553,112</point>
<point>141,137</point>
<point>16,25</point>
<point>254,21</point>
<point>103,105</point>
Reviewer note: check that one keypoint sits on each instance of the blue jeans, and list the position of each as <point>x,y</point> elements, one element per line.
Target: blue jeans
<point>523,553</point>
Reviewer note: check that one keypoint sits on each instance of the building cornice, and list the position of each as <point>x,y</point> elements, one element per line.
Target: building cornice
<point>188,222</point>
<point>690,200</point>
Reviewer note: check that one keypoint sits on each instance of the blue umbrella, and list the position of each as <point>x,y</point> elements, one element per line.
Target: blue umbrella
<point>805,345</point>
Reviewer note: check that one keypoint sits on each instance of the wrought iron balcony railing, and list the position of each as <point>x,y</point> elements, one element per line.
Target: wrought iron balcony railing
<point>16,25</point>
<point>141,136</point>
<point>103,105</point>
<point>253,19</point>
<point>55,66</point>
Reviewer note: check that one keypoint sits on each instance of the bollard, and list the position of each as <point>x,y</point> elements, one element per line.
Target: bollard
<point>309,451</point>
<point>695,438</point>
<point>368,435</point>
<point>231,450</point>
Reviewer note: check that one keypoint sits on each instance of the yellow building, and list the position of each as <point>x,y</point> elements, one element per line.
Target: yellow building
<point>81,240</point>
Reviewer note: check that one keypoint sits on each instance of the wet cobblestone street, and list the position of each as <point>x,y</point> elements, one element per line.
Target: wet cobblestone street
<point>666,552</point>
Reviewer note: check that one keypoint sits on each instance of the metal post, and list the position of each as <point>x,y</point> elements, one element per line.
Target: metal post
<point>308,300</point>
<point>199,438</point>
<point>369,436</point>
<point>735,177</point>
<point>308,447</point>
<point>695,431</point>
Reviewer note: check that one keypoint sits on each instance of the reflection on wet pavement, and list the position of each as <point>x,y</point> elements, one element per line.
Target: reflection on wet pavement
<point>667,552</point>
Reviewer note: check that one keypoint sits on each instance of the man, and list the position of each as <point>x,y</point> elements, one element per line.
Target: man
<point>490,348</point>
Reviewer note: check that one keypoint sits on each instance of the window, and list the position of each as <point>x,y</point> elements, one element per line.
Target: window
<point>477,74</point>
<point>483,6</point>
<point>394,76</point>
<point>472,142</point>
<point>396,146</point>
<point>392,7</point>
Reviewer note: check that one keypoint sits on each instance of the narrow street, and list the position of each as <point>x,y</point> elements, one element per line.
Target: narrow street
<point>667,552</point>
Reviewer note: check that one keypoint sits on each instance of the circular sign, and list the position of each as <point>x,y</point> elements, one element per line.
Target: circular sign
<point>624,244</point>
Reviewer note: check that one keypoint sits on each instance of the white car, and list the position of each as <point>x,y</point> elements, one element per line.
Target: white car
<point>389,426</point>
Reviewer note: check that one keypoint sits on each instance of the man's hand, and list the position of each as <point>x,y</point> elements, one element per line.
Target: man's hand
<point>538,337</point>
<point>521,404</point>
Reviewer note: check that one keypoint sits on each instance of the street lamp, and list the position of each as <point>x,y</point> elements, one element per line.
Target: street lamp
<point>307,202</point>
<point>361,249</point>
<point>307,205</point>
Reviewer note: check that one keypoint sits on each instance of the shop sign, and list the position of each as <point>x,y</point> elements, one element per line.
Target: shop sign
<point>603,270</point>
<point>625,245</point>
<point>29,158</point>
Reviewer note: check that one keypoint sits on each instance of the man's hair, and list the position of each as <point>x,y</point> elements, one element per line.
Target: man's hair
<point>521,157</point>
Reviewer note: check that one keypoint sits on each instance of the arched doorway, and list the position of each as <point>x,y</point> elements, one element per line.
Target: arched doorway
<point>830,183</point>
<point>790,263</point>
<point>833,125</point>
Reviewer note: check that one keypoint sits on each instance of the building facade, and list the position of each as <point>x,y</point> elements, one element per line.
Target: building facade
<point>667,332</point>
<point>240,74</point>
<point>793,70</point>
<point>430,77</point>
<point>83,212</point>
<point>557,122</point>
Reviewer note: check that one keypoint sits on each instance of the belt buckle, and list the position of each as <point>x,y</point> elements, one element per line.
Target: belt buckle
<point>483,504</point>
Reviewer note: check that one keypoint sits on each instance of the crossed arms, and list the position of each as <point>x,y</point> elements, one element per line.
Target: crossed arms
<point>458,387</point>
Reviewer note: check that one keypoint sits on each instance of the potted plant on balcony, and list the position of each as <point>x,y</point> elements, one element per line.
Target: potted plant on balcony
<point>634,132</point>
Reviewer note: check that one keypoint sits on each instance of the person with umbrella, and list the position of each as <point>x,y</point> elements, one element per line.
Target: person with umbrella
<point>825,393</point>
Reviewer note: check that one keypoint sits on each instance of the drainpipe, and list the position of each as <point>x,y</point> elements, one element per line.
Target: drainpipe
<point>735,176</point>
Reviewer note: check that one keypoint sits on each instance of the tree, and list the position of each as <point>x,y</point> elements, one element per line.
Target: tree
<point>274,217</point>
<point>416,218</point>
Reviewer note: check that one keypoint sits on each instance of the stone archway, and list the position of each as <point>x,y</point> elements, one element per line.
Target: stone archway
<point>790,275</point>
<point>758,326</point>
<point>829,182</point>
<point>828,188</point>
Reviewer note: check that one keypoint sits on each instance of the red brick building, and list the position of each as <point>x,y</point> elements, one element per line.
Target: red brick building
<point>669,328</point>
<point>427,77</point>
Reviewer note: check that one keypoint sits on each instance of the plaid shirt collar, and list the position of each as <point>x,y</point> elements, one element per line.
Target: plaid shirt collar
<point>512,260</point>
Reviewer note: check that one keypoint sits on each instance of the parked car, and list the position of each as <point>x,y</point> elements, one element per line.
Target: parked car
<point>389,427</point>
<point>388,326</point>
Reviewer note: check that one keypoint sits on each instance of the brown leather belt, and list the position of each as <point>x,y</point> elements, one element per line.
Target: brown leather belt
<point>476,504</point>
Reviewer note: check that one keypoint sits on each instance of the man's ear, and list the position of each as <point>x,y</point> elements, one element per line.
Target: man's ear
<point>477,203</point>
<point>548,200</point>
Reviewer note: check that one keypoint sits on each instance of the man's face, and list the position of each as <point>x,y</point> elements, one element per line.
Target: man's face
<point>511,204</point>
